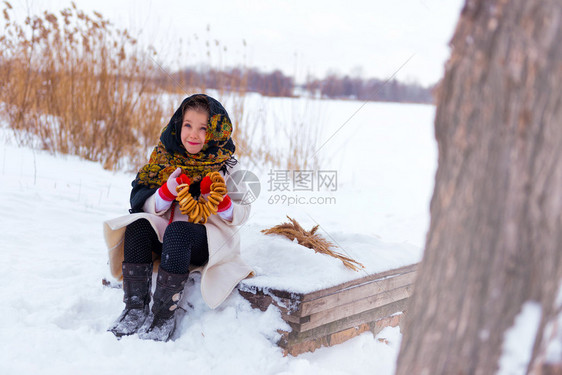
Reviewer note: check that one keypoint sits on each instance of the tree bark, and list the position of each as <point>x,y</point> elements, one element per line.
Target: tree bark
<point>495,238</point>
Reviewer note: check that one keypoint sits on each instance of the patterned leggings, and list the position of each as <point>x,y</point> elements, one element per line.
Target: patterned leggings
<point>184,244</point>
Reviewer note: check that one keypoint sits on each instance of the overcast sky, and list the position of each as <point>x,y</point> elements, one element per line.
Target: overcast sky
<point>372,38</point>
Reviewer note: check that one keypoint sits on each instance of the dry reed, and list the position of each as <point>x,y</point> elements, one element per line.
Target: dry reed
<point>312,240</point>
<point>74,84</point>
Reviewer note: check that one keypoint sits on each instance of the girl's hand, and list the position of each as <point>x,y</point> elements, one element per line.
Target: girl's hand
<point>225,206</point>
<point>205,185</point>
<point>168,191</point>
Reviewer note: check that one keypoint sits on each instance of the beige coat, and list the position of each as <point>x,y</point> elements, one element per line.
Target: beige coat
<point>225,268</point>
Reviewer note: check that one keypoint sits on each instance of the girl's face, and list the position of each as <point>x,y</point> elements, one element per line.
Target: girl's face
<point>193,130</point>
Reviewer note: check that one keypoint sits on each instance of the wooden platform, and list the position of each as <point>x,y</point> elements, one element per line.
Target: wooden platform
<point>334,315</point>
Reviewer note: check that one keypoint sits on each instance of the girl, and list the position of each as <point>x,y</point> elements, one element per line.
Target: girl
<point>195,142</point>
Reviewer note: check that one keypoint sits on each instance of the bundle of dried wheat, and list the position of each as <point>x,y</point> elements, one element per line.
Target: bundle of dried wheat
<point>312,240</point>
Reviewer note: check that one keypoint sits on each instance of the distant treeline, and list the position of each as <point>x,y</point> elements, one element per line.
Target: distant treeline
<point>337,87</point>
<point>276,83</point>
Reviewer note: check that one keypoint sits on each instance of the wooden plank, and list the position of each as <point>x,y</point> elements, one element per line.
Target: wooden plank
<point>350,321</point>
<point>290,297</point>
<point>355,293</point>
<point>262,302</point>
<point>273,292</point>
<point>296,348</point>
<point>368,303</point>
<point>257,300</point>
<point>292,318</point>
<point>337,338</point>
<point>303,297</point>
<point>380,275</point>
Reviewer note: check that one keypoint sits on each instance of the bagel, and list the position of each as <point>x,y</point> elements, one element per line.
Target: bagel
<point>194,213</point>
<point>180,187</point>
<point>215,177</point>
<point>183,194</point>
<point>188,206</point>
<point>199,210</point>
<point>205,209</point>
<point>183,200</point>
<point>212,207</point>
<point>197,219</point>
<point>218,185</point>
<point>215,198</point>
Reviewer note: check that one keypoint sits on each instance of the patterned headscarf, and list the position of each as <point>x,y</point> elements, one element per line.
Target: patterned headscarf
<point>170,153</point>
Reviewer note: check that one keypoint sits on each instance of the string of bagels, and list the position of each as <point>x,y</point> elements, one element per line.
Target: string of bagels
<point>199,210</point>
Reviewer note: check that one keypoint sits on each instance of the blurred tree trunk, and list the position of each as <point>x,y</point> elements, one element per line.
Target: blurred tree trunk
<point>495,239</point>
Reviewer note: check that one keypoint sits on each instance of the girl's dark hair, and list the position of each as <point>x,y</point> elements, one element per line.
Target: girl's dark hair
<point>198,103</point>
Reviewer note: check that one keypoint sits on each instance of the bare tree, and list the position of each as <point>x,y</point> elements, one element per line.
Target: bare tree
<point>495,239</point>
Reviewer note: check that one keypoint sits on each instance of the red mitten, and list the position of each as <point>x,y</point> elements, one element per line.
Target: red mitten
<point>206,185</point>
<point>225,204</point>
<point>183,179</point>
<point>168,191</point>
<point>225,209</point>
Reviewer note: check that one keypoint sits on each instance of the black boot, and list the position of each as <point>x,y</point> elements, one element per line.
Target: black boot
<point>162,323</point>
<point>137,282</point>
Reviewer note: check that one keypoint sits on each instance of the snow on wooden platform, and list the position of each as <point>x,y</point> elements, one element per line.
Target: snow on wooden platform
<point>335,314</point>
<point>285,265</point>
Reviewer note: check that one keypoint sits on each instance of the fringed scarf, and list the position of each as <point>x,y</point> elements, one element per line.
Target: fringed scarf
<point>170,154</point>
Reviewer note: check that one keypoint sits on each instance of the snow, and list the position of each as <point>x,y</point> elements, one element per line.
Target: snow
<point>55,310</point>
<point>289,266</point>
<point>359,358</point>
<point>519,340</point>
<point>379,215</point>
<point>553,332</point>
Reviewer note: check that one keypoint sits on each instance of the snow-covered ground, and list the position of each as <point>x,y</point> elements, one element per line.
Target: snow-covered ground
<point>517,348</point>
<point>55,310</point>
